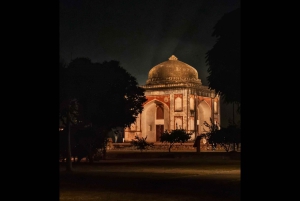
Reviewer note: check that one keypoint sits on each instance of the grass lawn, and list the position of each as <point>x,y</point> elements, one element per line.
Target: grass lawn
<point>154,176</point>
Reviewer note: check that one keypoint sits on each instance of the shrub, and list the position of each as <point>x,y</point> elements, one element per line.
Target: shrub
<point>175,136</point>
<point>140,143</point>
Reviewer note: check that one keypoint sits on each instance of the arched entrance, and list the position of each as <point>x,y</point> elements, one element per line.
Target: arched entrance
<point>159,120</point>
<point>204,114</point>
<point>155,120</point>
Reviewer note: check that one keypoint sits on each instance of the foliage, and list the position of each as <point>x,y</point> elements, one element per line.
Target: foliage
<point>141,143</point>
<point>68,116</point>
<point>69,109</point>
<point>68,103</point>
<point>233,133</point>
<point>175,136</point>
<point>222,138</point>
<point>212,127</point>
<point>107,95</point>
<point>87,143</point>
<point>63,142</point>
<point>224,59</point>
<point>225,137</point>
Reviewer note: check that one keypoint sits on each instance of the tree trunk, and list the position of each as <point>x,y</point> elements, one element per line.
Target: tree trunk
<point>104,145</point>
<point>69,161</point>
<point>91,158</point>
<point>170,147</point>
<point>104,152</point>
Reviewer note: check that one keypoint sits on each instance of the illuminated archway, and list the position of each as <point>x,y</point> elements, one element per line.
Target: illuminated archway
<point>204,114</point>
<point>150,121</point>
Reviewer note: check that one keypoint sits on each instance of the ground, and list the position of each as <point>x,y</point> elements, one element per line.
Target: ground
<point>155,176</point>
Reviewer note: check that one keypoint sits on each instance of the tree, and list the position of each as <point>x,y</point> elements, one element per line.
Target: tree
<point>233,131</point>
<point>224,59</point>
<point>175,136</point>
<point>107,94</point>
<point>68,115</point>
<point>225,137</point>
<point>222,138</point>
<point>87,143</point>
<point>213,129</point>
<point>68,110</point>
<point>112,99</point>
<point>141,143</point>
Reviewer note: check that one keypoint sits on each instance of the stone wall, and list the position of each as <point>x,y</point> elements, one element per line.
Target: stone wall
<point>158,146</point>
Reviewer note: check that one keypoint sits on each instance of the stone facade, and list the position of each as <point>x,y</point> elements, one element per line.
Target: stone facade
<point>176,99</point>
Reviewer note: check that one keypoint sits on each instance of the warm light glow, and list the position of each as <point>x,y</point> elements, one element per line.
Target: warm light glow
<point>176,99</point>
<point>178,104</point>
<point>215,107</point>
<point>191,123</point>
<point>192,104</point>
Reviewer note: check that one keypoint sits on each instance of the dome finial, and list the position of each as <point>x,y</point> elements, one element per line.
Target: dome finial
<point>173,58</point>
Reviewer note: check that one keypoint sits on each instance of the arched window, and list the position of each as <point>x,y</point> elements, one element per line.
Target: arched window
<point>192,103</point>
<point>159,112</point>
<point>178,104</point>
<point>178,122</point>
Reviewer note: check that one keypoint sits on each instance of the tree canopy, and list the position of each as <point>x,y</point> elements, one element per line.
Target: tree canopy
<point>225,137</point>
<point>175,136</point>
<point>224,59</point>
<point>107,96</point>
<point>141,143</point>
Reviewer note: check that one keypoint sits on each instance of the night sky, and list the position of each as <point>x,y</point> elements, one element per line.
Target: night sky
<point>141,33</point>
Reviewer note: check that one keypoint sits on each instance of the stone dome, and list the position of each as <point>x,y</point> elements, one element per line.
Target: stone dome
<point>172,71</point>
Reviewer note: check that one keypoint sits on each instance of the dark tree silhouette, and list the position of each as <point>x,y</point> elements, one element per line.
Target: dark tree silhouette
<point>225,137</point>
<point>141,143</point>
<point>224,59</point>
<point>87,143</point>
<point>175,136</point>
<point>108,96</point>
<point>68,110</point>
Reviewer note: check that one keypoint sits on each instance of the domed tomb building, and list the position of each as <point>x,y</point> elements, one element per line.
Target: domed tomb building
<point>176,99</point>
